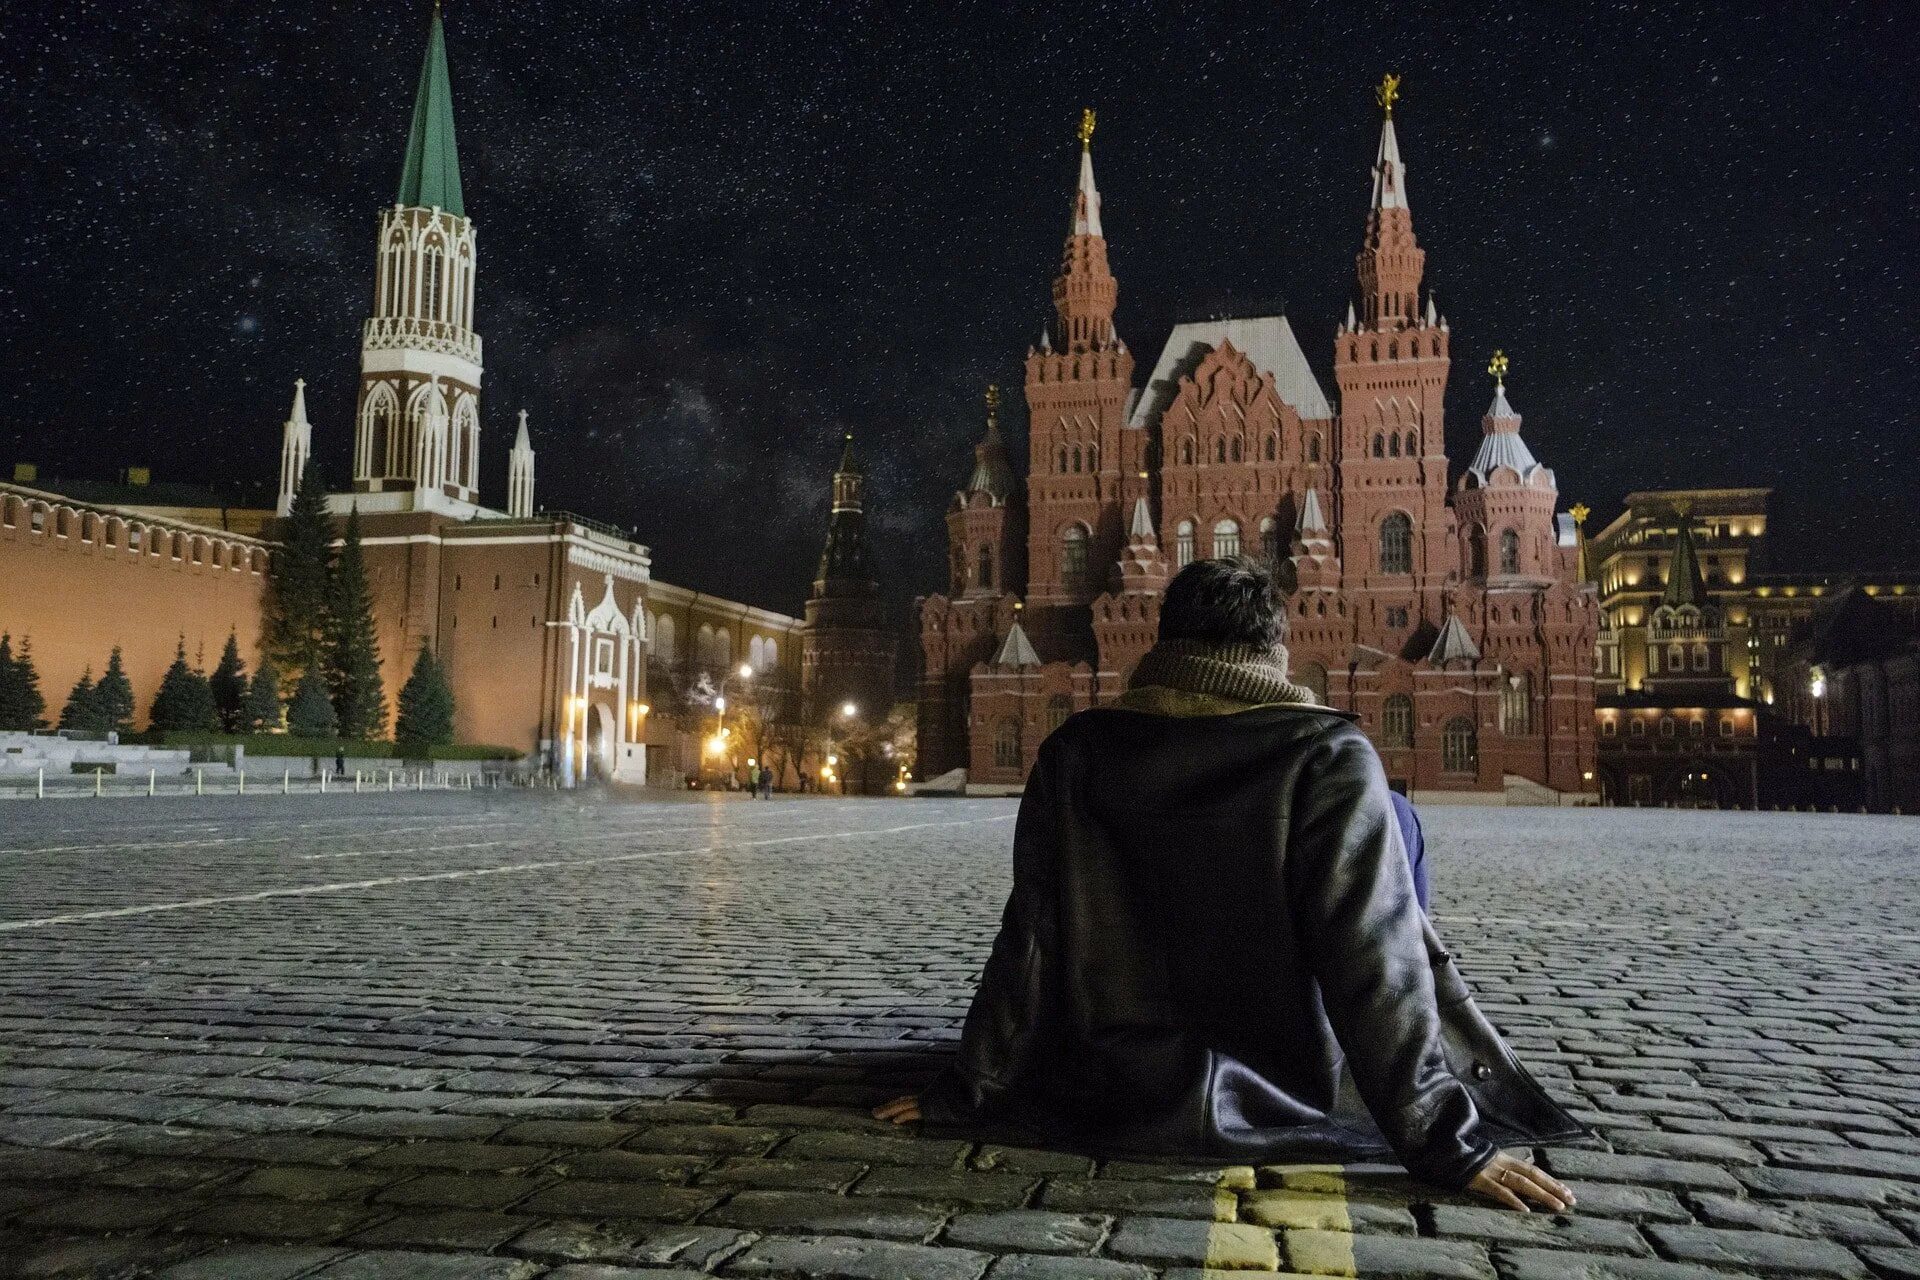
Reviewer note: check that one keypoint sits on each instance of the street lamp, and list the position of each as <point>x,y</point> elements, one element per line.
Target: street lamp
<point>718,743</point>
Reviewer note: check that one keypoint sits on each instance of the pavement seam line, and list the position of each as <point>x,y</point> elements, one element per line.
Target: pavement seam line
<point>348,886</point>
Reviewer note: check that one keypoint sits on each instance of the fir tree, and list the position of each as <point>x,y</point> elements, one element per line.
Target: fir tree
<point>82,711</point>
<point>261,711</point>
<point>297,599</point>
<point>184,703</point>
<point>25,707</point>
<point>113,697</point>
<point>426,707</point>
<point>311,713</point>
<point>353,660</point>
<point>17,711</point>
<point>229,685</point>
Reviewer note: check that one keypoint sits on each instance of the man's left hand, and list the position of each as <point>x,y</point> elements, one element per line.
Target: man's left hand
<point>900,1110</point>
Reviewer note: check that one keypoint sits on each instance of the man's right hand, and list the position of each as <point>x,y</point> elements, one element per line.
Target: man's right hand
<point>1513,1182</point>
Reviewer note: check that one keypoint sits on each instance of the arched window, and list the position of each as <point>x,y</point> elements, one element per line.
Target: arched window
<point>1459,746</point>
<point>1062,468</point>
<point>1379,445</point>
<point>1413,445</point>
<point>1073,559</point>
<point>1226,538</point>
<point>1477,552</point>
<point>1006,744</point>
<point>1509,551</point>
<point>1393,446</point>
<point>1076,459</point>
<point>1700,656</point>
<point>1666,726</point>
<point>1236,448</point>
<point>1396,722</point>
<point>1186,452</point>
<point>1396,543</point>
<point>1093,457</point>
<point>985,576</point>
<point>1059,707</point>
<point>1273,447</point>
<point>1219,450</point>
<point>1313,676</point>
<point>380,433</point>
<point>1676,657</point>
<point>1313,447</point>
<point>1183,545</point>
<point>1270,539</point>
<point>1516,705</point>
<point>431,283</point>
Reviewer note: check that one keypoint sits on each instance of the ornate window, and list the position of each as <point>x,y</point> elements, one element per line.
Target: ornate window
<point>1226,539</point>
<point>1313,447</point>
<point>1059,707</point>
<point>1609,728</point>
<point>1236,448</point>
<point>1062,468</point>
<point>1638,729</point>
<point>1396,543</point>
<point>1666,726</point>
<point>1700,657</point>
<point>431,283</point>
<point>985,575</point>
<point>1073,559</point>
<point>1396,722</point>
<point>1314,677</point>
<point>1516,705</point>
<point>1183,545</point>
<point>1393,446</point>
<point>1509,551</point>
<point>1460,746</point>
<point>1006,744</point>
<point>1076,459</point>
<point>1676,657</point>
<point>1696,728</point>
<point>1726,726</point>
<point>1093,457</point>
<point>1273,448</point>
<point>1186,452</point>
<point>1219,450</point>
<point>1379,445</point>
<point>1413,445</point>
<point>1477,552</point>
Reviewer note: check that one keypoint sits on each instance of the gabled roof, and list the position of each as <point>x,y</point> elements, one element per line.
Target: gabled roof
<point>1267,341</point>
<point>1452,643</point>
<point>1016,650</point>
<point>430,177</point>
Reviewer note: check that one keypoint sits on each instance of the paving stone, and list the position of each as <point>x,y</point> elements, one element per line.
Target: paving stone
<point>1027,1231</point>
<point>1561,1231</point>
<point>1814,1185</point>
<point>1893,1263</point>
<point>949,1186</point>
<point>1031,1161</point>
<point>1161,1199</point>
<point>706,1139</point>
<point>455,1229</point>
<point>1756,1249</point>
<point>871,1149</point>
<point>845,1258</point>
<point>1605,1166</point>
<point>633,1166</point>
<point>113,1257</point>
<point>295,1183</point>
<point>102,1211</point>
<point>1853,1224</point>
<point>783,1175</point>
<point>597,1271</point>
<point>1026,1266</point>
<point>620,1200</point>
<point>278,1220</point>
<point>567,1133</point>
<point>816,1214</point>
<point>1227,1246</point>
<point>395,1265</point>
<point>1314,1211</point>
<point>461,1190</point>
<point>472,1156</point>
<point>1559,1264</point>
<point>251,1262</point>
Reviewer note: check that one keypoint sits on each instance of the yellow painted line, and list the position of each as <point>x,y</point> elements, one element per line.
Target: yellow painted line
<point>1308,1210</point>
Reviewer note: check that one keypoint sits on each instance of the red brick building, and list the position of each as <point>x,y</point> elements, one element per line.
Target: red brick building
<point>1449,613</point>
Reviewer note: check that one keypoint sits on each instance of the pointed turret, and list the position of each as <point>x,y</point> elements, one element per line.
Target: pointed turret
<point>1453,644</point>
<point>1500,442</point>
<point>430,176</point>
<point>1086,197</point>
<point>1391,261</point>
<point>1143,568</point>
<point>1016,650</point>
<point>1685,584</point>
<point>846,564</point>
<point>992,474</point>
<point>1085,292</point>
<point>296,444</point>
<point>1315,564</point>
<point>520,473</point>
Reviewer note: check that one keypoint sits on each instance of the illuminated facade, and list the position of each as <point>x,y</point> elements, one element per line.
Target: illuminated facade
<point>1449,614</point>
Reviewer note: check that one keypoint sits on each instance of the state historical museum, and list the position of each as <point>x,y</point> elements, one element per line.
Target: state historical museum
<point>1449,615</point>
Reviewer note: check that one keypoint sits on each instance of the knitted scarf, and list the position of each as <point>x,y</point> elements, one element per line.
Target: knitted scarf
<point>1231,675</point>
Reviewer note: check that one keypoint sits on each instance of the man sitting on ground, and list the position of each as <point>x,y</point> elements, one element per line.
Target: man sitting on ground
<point>1213,948</point>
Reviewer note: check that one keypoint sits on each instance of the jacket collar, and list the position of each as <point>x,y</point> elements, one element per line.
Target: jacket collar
<point>1239,676</point>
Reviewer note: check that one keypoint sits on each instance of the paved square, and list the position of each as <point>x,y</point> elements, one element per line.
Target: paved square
<point>512,1036</point>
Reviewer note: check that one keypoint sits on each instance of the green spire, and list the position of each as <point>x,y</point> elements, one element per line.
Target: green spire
<point>1684,583</point>
<point>431,174</point>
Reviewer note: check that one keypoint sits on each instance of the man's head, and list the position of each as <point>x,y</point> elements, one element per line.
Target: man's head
<point>1227,601</point>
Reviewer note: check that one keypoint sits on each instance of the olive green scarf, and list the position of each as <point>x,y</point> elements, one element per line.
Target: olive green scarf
<point>1187,677</point>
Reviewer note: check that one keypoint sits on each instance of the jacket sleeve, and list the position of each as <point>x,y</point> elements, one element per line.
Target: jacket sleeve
<point>1363,932</point>
<point>1015,1012</point>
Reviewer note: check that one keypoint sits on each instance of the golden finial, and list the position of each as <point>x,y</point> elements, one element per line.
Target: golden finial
<point>1086,128</point>
<point>1579,511</point>
<point>1388,92</point>
<point>993,403</point>
<point>1498,368</point>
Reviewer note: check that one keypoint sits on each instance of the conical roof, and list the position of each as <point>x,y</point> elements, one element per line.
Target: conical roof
<point>1389,174</point>
<point>1016,650</point>
<point>430,176</point>
<point>1453,643</point>
<point>1684,582</point>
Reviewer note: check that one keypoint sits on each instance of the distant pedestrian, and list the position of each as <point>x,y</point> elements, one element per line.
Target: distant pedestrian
<point>340,764</point>
<point>766,783</point>
<point>753,782</point>
<point>803,782</point>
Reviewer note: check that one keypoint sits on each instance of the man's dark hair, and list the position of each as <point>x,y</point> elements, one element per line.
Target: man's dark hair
<point>1227,601</point>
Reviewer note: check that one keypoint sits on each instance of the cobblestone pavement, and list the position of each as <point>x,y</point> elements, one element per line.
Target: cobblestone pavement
<point>515,1036</point>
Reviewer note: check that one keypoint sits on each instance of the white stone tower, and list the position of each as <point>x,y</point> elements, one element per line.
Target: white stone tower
<point>520,474</point>
<point>417,424</point>
<point>296,445</point>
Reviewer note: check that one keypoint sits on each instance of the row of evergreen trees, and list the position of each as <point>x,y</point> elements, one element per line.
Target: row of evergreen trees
<point>320,628</point>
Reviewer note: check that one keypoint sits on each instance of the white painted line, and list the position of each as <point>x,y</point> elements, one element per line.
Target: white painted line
<point>348,886</point>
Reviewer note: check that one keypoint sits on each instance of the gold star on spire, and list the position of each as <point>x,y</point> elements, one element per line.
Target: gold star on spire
<point>1579,511</point>
<point>1388,92</point>
<point>1498,368</point>
<point>1086,128</point>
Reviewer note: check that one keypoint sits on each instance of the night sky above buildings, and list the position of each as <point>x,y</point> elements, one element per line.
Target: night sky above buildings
<point>714,239</point>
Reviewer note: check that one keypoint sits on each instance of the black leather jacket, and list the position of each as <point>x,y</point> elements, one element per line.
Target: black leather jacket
<point>1206,913</point>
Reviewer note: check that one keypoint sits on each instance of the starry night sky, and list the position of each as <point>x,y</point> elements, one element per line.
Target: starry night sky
<point>710,244</point>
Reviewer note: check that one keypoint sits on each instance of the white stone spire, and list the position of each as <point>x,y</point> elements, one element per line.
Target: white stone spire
<point>1086,199</point>
<point>1351,319</point>
<point>1016,650</point>
<point>1311,521</point>
<point>296,445</point>
<point>1389,174</point>
<point>520,474</point>
<point>1142,530</point>
<point>1433,311</point>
